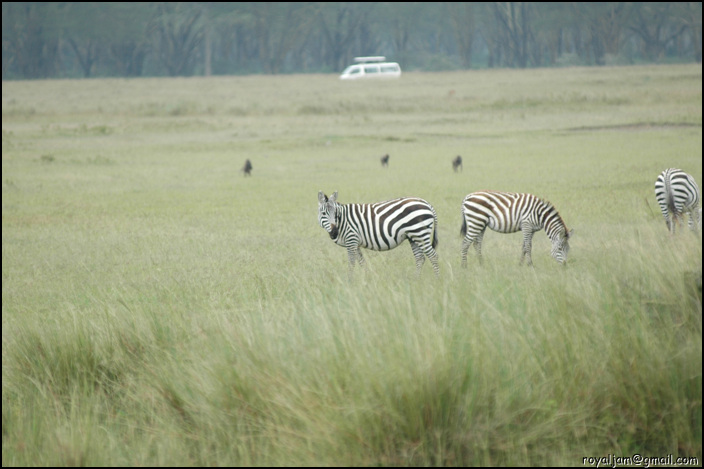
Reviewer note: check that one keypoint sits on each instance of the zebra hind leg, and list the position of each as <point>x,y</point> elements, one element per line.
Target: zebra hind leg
<point>465,247</point>
<point>467,242</point>
<point>677,220</point>
<point>418,254</point>
<point>432,254</point>
<point>478,246</point>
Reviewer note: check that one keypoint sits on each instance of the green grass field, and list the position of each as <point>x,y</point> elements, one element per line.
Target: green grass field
<point>158,308</point>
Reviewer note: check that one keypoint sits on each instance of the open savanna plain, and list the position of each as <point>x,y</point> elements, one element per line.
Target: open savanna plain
<point>159,308</point>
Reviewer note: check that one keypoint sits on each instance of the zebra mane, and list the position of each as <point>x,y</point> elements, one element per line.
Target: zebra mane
<point>550,208</point>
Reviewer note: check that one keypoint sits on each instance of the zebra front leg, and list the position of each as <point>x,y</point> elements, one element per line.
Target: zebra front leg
<point>352,253</point>
<point>360,258</point>
<point>527,247</point>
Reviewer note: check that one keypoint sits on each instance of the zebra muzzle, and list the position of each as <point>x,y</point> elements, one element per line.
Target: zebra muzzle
<point>333,232</point>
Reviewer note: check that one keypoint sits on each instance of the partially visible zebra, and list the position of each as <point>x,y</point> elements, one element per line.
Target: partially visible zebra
<point>508,212</point>
<point>380,227</point>
<point>247,168</point>
<point>385,160</point>
<point>677,194</point>
<point>457,163</point>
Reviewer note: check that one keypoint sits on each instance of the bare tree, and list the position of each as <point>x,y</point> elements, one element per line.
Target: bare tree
<point>690,14</point>
<point>461,16</point>
<point>129,57</point>
<point>178,35</point>
<point>279,27</point>
<point>513,31</point>
<point>50,39</point>
<point>30,41</point>
<point>604,23</point>
<point>339,24</point>
<point>129,44</point>
<point>98,31</point>
<point>652,23</point>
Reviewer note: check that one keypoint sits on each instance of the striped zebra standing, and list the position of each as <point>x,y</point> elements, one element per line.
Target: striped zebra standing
<point>508,212</point>
<point>677,194</point>
<point>380,227</point>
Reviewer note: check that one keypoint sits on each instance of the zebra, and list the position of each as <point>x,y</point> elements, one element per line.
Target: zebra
<point>247,168</point>
<point>677,193</point>
<point>385,161</point>
<point>508,212</point>
<point>457,163</point>
<point>381,227</point>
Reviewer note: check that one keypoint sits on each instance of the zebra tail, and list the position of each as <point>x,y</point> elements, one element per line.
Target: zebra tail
<point>435,232</point>
<point>669,195</point>
<point>463,228</point>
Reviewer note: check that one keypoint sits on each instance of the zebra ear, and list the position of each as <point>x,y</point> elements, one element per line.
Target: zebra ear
<point>569,234</point>
<point>322,198</point>
<point>333,197</point>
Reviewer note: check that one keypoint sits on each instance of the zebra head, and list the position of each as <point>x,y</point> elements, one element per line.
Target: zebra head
<point>561,246</point>
<point>327,208</point>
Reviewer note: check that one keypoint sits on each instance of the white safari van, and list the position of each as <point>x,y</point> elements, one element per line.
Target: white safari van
<point>371,67</point>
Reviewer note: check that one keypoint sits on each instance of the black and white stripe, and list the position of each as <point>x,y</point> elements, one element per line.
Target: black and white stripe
<point>508,212</point>
<point>677,194</point>
<point>381,226</point>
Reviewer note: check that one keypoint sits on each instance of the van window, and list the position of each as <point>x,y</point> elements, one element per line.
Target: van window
<point>389,68</point>
<point>352,70</point>
<point>371,69</point>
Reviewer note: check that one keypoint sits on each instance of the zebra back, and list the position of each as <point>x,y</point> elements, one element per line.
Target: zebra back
<point>381,226</point>
<point>508,212</point>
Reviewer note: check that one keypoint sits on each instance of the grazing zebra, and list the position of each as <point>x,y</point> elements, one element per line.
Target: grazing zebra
<point>457,163</point>
<point>677,193</point>
<point>385,160</point>
<point>380,227</point>
<point>247,168</point>
<point>507,212</point>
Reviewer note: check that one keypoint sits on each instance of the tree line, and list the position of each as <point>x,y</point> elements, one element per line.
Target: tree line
<point>89,39</point>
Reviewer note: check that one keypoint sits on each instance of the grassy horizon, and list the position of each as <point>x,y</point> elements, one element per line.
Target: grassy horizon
<point>158,308</point>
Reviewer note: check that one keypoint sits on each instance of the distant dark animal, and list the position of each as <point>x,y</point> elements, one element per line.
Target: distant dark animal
<point>677,194</point>
<point>381,227</point>
<point>247,168</point>
<point>506,212</point>
<point>457,163</point>
<point>385,160</point>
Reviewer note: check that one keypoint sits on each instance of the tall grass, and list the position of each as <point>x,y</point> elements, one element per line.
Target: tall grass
<point>158,308</point>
